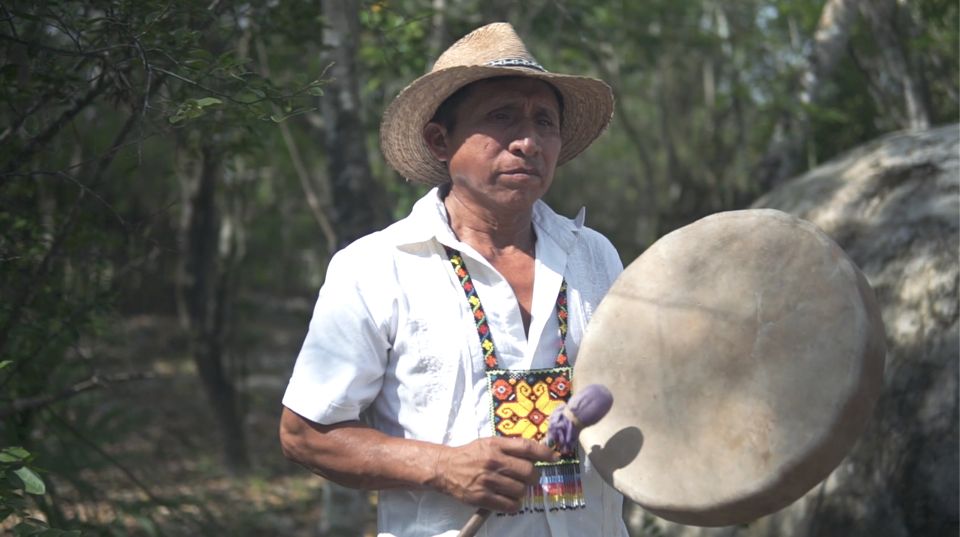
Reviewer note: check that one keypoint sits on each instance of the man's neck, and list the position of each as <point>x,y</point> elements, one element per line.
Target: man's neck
<point>490,232</point>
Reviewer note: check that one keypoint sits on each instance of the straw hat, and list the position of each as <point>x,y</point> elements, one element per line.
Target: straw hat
<point>490,51</point>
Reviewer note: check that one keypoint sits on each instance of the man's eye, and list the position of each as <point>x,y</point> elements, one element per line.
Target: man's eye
<point>500,116</point>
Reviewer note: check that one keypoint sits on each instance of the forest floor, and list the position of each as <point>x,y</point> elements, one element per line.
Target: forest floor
<point>163,472</point>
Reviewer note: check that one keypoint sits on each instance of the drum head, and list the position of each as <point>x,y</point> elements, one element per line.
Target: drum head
<point>745,352</point>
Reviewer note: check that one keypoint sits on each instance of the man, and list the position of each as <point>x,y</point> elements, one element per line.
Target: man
<point>439,346</point>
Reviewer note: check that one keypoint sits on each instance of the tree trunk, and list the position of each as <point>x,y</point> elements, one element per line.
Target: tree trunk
<point>360,205</point>
<point>438,32</point>
<point>203,290</point>
<point>888,31</point>
<point>784,155</point>
<point>359,202</point>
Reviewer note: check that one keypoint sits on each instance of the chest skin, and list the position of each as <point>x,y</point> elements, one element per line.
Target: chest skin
<point>518,269</point>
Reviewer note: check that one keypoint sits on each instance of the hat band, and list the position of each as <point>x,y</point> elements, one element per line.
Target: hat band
<point>516,62</point>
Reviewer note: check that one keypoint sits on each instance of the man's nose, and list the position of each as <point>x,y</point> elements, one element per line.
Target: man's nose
<point>526,140</point>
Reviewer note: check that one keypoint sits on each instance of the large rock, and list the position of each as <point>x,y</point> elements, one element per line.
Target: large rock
<point>893,205</point>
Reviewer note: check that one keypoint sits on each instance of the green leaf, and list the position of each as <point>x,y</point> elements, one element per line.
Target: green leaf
<point>197,63</point>
<point>202,54</point>
<point>14,454</point>
<point>208,101</point>
<point>29,528</point>
<point>148,526</point>
<point>5,363</point>
<point>31,481</point>
<point>277,118</point>
<point>16,503</point>
<point>316,91</point>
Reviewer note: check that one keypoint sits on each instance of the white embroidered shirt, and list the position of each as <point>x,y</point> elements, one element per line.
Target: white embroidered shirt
<point>393,341</point>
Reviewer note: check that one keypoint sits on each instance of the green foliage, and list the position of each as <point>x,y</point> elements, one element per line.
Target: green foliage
<point>17,479</point>
<point>97,99</point>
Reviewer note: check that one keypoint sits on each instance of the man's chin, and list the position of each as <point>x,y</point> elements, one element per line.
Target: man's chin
<point>519,198</point>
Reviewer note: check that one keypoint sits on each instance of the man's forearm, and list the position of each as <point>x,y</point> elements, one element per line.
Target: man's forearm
<point>355,455</point>
<point>492,472</point>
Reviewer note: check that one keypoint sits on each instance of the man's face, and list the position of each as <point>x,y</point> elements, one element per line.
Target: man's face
<point>502,150</point>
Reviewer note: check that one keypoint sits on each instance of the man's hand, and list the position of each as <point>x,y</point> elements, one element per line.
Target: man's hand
<point>493,473</point>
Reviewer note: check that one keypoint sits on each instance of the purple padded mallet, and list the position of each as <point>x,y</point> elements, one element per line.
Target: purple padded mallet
<point>586,407</point>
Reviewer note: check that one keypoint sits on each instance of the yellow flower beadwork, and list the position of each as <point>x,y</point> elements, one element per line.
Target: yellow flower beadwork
<point>527,416</point>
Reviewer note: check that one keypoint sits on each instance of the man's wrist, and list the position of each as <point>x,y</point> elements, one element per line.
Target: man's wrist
<point>434,478</point>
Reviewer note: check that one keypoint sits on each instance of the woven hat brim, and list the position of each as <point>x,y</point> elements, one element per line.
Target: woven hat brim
<point>587,110</point>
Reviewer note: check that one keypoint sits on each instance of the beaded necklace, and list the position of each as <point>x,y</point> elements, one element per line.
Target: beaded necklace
<point>523,400</point>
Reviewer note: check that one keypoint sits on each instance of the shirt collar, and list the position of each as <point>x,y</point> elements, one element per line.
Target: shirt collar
<point>428,220</point>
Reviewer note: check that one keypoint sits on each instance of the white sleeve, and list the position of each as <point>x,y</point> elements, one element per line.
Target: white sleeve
<point>610,264</point>
<point>340,368</point>
<point>604,255</point>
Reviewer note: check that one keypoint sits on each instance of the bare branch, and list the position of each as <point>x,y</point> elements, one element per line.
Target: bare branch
<point>147,91</point>
<point>63,27</point>
<point>55,50</point>
<point>311,196</point>
<point>94,382</point>
<point>66,176</point>
<point>69,320</point>
<point>53,128</point>
<point>8,18</point>
<point>21,118</point>
<point>80,164</point>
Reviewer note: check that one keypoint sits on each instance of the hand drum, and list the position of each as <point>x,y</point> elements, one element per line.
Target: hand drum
<point>745,352</point>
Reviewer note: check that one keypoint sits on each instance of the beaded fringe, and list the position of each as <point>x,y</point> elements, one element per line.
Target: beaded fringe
<point>560,489</point>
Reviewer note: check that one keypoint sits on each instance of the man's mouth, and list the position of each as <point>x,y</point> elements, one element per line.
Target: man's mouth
<point>522,171</point>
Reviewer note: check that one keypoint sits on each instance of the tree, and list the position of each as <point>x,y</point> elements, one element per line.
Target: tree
<point>785,154</point>
<point>892,24</point>
<point>360,206</point>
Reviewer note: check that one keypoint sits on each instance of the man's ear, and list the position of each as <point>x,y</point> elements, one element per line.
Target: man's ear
<point>435,135</point>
